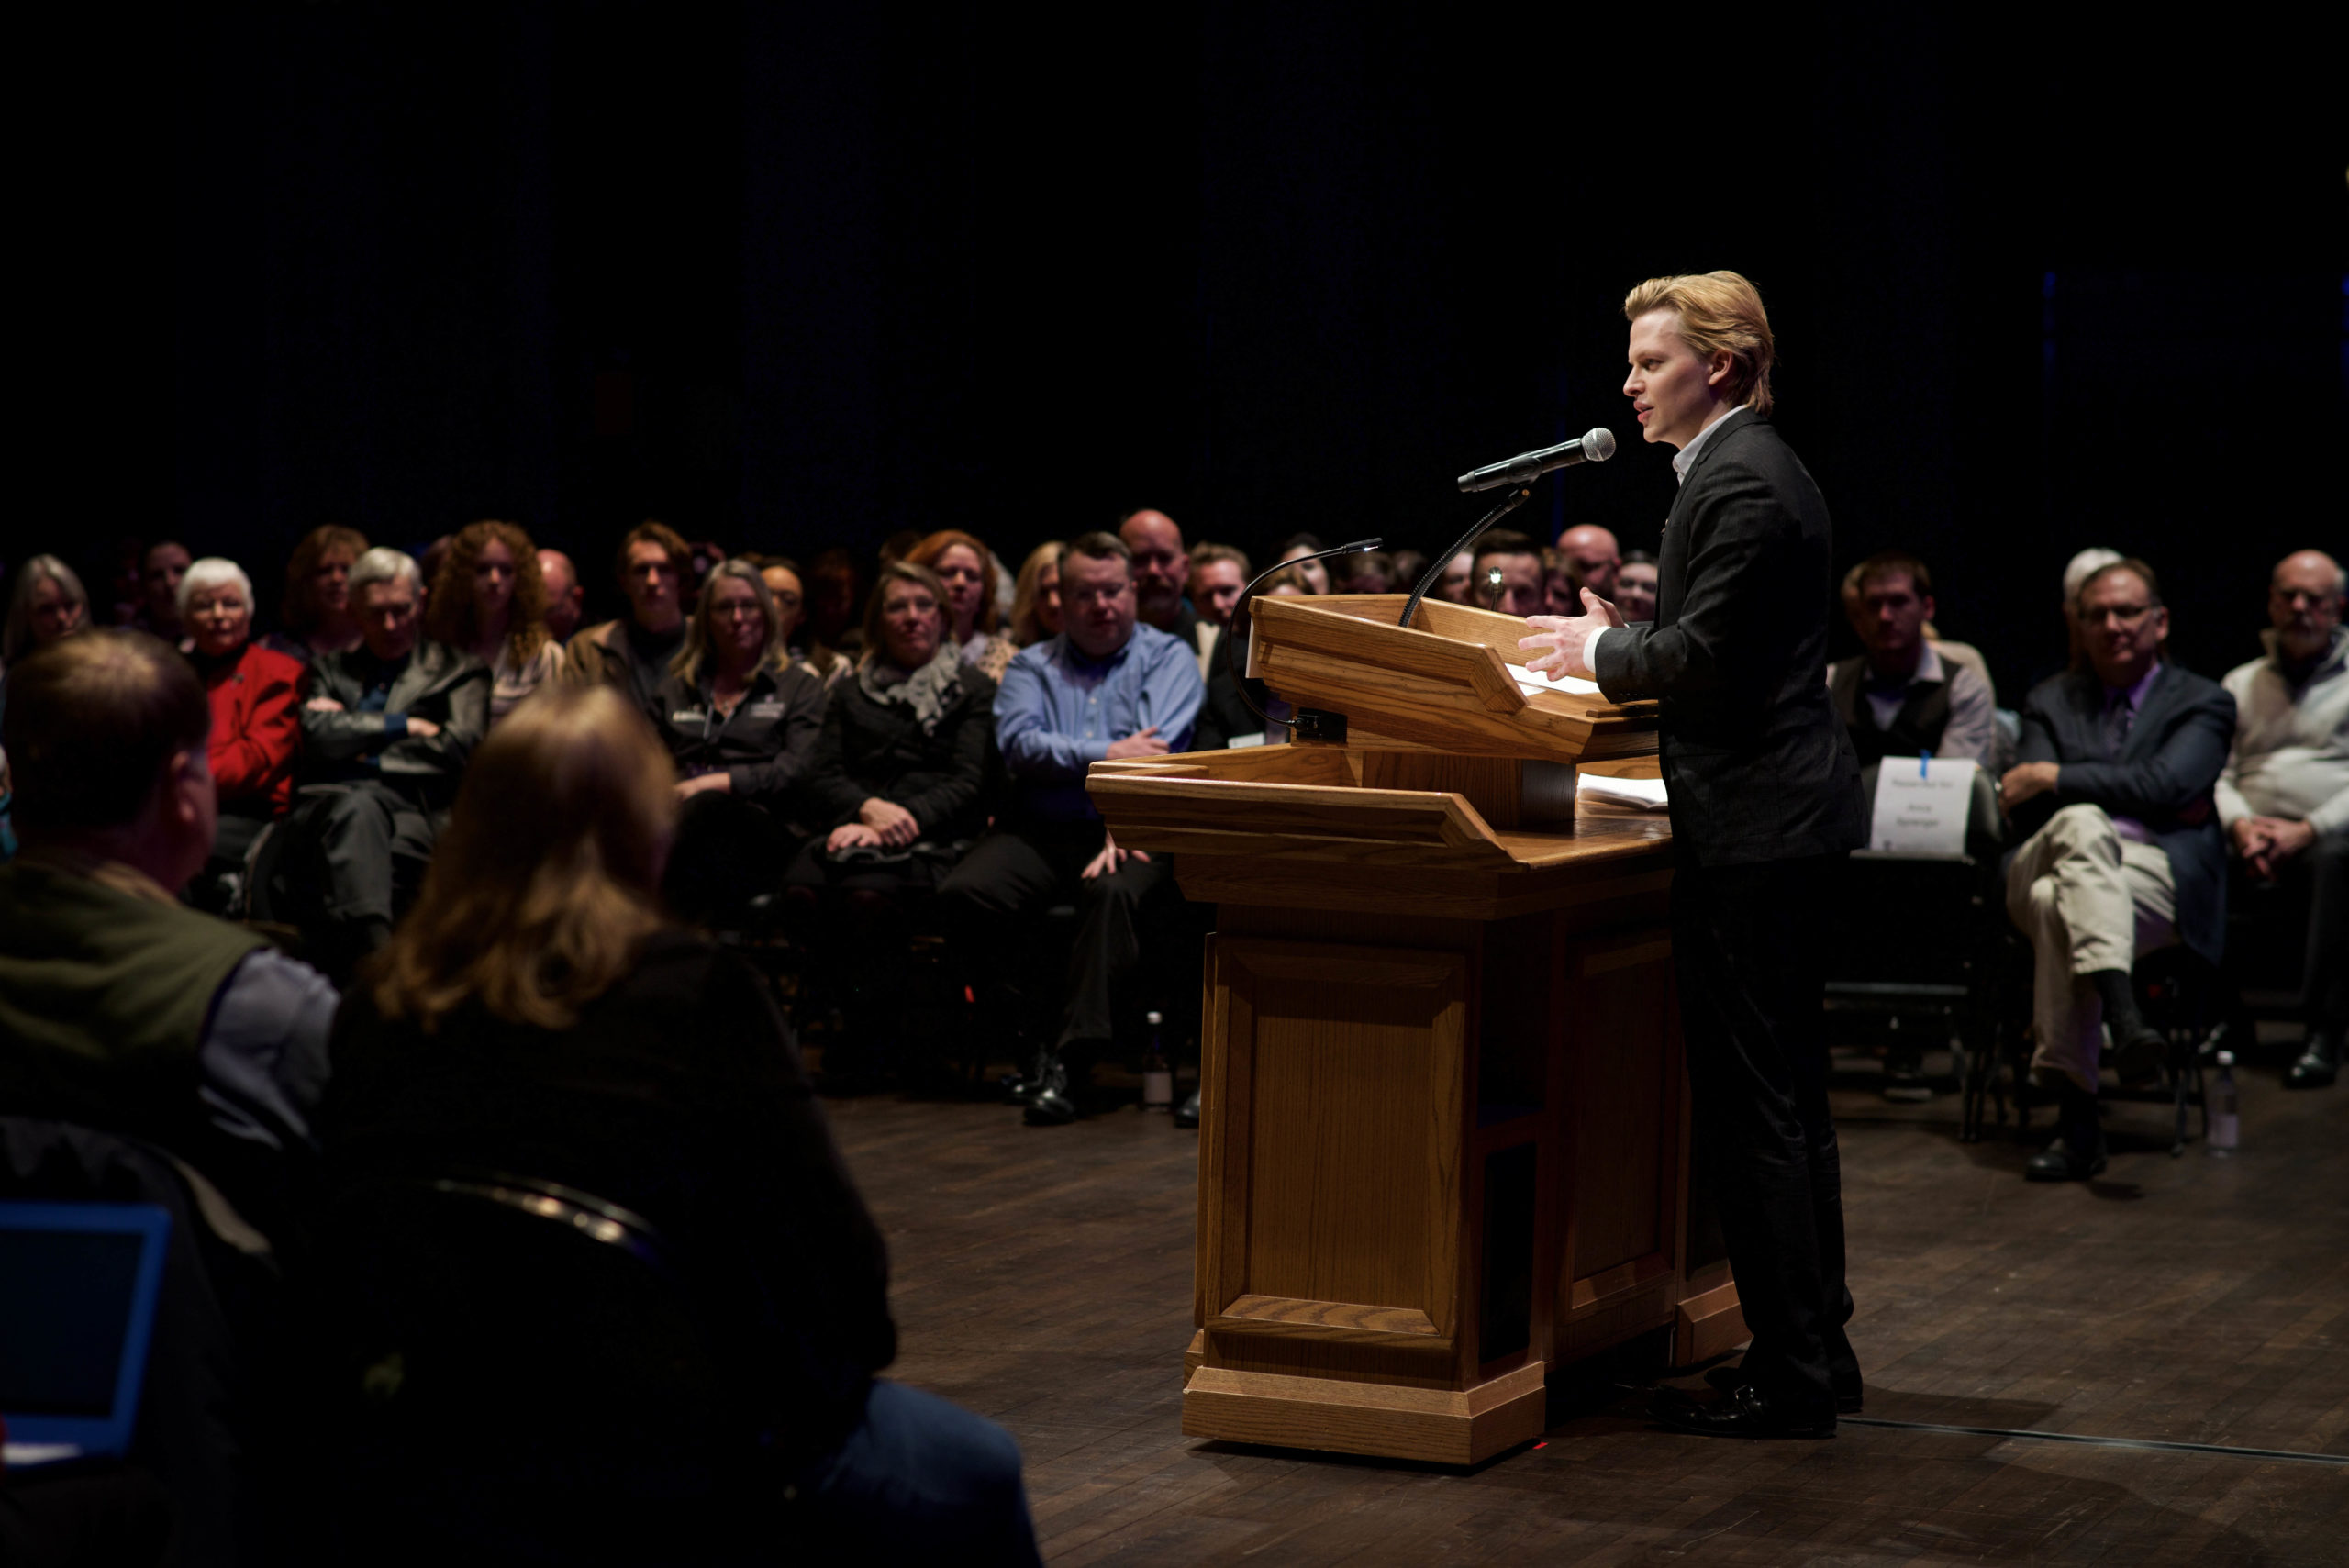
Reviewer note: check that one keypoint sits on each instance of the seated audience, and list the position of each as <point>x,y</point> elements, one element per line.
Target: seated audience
<point>316,611</point>
<point>1635,584</point>
<point>1456,585</point>
<point>566,597</point>
<point>2284,796</point>
<point>2123,854</point>
<point>1517,561</point>
<point>386,730</point>
<point>120,1008</point>
<point>1368,572</point>
<point>163,566</point>
<point>1899,698</point>
<point>967,568</point>
<point>2077,571</point>
<point>895,791</point>
<point>1558,595</point>
<point>537,1014</point>
<point>740,722</point>
<point>1217,574</point>
<point>780,574</point>
<point>1035,607</point>
<point>46,604</point>
<point>634,655</point>
<point>255,696</point>
<point>1162,572</point>
<point>1592,560</point>
<point>835,600</point>
<point>489,599</point>
<point>1106,687</point>
<point>1314,576</point>
<point>1411,565</point>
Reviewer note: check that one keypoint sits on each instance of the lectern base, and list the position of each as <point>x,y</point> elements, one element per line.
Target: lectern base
<point>1444,1425</point>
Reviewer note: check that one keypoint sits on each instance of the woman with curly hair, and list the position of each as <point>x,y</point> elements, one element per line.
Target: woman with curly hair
<point>315,612</point>
<point>1035,608</point>
<point>966,567</point>
<point>489,600</point>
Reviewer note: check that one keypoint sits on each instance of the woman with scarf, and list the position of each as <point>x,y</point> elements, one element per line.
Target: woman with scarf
<point>897,787</point>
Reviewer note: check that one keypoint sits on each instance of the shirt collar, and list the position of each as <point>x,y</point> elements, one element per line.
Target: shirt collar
<point>1685,458</point>
<point>1929,669</point>
<point>2132,697</point>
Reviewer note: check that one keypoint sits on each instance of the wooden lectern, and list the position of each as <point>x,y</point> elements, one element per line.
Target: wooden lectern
<point>1444,1140</point>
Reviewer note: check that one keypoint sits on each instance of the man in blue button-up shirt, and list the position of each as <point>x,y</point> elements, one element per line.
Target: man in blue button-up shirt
<point>1105,687</point>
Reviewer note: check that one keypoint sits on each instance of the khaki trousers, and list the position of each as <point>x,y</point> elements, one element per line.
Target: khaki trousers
<point>2089,899</point>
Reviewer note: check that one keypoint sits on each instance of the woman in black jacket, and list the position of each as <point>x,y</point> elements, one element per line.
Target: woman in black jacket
<point>535,1014</point>
<point>741,720</point>
<point>896,789</point>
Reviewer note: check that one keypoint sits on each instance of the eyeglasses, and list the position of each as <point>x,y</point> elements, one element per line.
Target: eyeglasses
<point>2127,614</point>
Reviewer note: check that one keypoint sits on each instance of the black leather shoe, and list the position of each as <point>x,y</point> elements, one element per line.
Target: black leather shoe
<point>1730,1379</point>
<point>1049,1101</point>
<point>1188,1113</point>
<point>1747,1413</point>
<point>2069,1159</point>
<point>2318,1064</point>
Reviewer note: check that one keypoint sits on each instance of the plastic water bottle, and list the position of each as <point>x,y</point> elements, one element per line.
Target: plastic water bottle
<point>2226,1121</point>
<point>1157,1078</point>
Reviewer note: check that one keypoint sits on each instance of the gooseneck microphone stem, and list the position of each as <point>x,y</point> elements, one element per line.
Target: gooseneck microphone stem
<point>1516,498</point>
<point>1306,718</point>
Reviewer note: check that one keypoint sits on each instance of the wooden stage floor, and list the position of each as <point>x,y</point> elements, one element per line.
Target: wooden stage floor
<point>1043,1278</point>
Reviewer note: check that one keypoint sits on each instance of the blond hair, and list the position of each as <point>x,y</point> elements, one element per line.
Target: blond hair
<point>543,883</point>
<point>1718,312</point>
<point>699,640</point>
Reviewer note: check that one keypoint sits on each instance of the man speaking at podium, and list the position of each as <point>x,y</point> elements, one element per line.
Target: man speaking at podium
<point>1766,801</point>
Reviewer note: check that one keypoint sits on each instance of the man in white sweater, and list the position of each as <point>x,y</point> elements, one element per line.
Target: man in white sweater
<point>2285,794</point>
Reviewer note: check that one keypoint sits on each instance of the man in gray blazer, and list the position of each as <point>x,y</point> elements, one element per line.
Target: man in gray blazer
<point>2124,854</point>
<point>1764,800</point>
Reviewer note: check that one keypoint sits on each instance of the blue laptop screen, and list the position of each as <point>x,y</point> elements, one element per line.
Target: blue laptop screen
<point>78,1288</point>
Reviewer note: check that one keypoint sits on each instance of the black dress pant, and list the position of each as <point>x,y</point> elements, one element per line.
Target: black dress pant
<point>1749,944</point>
<point>1010,875</point>
<point>2304,907</point>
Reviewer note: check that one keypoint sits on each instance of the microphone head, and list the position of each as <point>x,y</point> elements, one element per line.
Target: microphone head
<point>1599,445</point>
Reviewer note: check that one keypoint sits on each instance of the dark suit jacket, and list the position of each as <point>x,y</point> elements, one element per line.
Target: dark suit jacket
<point>1757,765</point>
<point>440,684</point>
<point>871,748</point>
<point>762,747</point>
<point>2163,778</point>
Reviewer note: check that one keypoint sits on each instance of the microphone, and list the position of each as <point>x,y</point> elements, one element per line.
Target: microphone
<point>1304,723</point>
<point>1591,446</point>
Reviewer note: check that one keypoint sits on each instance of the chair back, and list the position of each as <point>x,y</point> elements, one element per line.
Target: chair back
<point>505,1368</point>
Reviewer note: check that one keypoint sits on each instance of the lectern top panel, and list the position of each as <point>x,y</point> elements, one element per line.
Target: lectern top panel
<point>1445,684</point>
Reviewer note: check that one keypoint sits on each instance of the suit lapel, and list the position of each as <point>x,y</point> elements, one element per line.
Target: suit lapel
<point>2156,706</point>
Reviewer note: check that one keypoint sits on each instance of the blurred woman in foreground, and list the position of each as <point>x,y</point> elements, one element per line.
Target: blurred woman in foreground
<point>536,1013</point>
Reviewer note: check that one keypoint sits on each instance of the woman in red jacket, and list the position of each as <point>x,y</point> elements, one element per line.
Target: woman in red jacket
<point>256,721</point>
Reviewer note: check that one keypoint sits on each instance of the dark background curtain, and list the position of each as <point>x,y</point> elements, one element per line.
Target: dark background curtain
<point>788,276</point>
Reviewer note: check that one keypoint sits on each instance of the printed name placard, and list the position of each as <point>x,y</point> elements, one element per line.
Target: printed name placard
<point>1920,807</point>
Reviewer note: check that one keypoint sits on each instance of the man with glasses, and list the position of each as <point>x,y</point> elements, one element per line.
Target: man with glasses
<point>1106,687</point>
<point>2120,756</point>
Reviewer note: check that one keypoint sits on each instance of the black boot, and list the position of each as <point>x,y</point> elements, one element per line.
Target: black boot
<point>2138,1049</point>
<point>2318,1064</point>
<point>2077,1152</point>
<point>1049,1102</point>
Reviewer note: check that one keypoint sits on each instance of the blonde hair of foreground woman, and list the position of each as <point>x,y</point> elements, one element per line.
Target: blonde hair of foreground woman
<point>547,877</point>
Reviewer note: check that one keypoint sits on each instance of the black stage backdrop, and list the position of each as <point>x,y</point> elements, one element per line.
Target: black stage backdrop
<point>788,276</point>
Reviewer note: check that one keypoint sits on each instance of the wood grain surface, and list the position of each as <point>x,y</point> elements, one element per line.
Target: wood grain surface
<point>1043,1277</point>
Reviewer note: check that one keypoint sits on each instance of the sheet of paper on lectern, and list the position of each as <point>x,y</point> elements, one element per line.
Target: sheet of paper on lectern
<point>1533,681</point>
<point>1646,794</point>
<point>1921,806</point>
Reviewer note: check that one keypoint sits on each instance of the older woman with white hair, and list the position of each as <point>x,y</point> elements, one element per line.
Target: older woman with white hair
<point>255,693</point>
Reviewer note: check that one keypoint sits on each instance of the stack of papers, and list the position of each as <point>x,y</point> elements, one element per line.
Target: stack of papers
<point>1533,681</point>
<point>1645,793</point>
